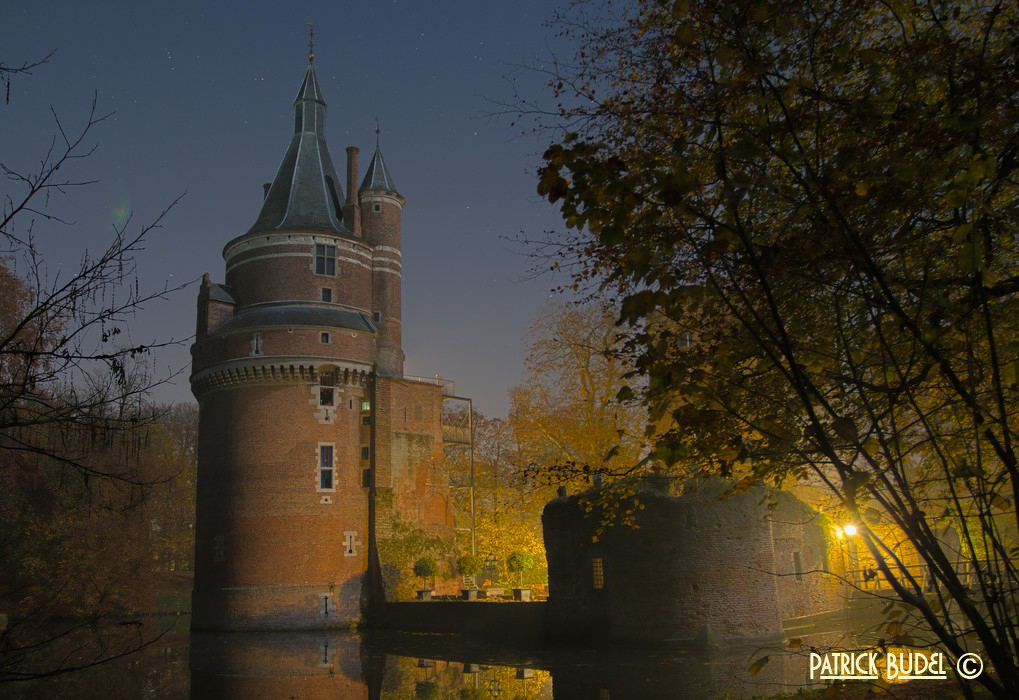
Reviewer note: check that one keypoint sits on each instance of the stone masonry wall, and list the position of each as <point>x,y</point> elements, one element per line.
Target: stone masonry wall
<point>693,564</point>
<point>806,562</point>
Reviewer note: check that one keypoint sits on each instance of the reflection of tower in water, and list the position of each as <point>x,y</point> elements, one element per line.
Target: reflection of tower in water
<point>342,666</point>
<point>251,667</point>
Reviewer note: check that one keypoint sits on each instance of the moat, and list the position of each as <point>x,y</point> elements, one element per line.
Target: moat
<point>392,665</point>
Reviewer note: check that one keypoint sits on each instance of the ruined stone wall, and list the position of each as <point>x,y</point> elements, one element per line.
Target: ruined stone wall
<point>576,608</point>
<point>412,484</point>
<point>694,565</point>
<point>808,560</point>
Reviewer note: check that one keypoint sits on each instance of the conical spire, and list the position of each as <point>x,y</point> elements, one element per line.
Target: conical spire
<point>305,194</point>
<point>377,176</point>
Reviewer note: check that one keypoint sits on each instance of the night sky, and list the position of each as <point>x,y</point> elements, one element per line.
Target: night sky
<point>202,95</point>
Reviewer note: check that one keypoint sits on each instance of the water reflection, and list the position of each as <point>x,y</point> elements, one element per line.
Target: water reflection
<point>277,666</point>
<point>387,666</point>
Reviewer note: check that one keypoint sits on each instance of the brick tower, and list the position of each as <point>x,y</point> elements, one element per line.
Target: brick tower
<point>311,440</point>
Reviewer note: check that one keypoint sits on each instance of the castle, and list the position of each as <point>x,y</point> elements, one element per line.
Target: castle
<point>312,442</point>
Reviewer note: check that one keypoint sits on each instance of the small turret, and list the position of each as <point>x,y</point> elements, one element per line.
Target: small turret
<point>382,227</point>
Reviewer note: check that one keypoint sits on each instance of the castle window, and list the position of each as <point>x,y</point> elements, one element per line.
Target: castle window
<point>797,566</point>
<point>365,454</point>
<point>256,343</point>
<point>326,390</point>
<point>366,420</point>
<point>376,207</point>
<point>366,405</point>
<point>325,260</point>
<point>324,338</point>
<point>325,467</point>
<point>598,573</point>
<point>327,294</point>
<point>377,316</point>
<point>685,339</point>
<point>366,478</point>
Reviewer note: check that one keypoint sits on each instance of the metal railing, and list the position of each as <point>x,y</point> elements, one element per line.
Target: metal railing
<point>456,434</point>
<point>871,580</point>
<point>448,386</point>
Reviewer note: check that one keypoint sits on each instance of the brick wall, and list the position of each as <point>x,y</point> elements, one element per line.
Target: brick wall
<point>413,485</point>
<point>344,344</point>
<point>270,552</point>
<point>409,455</point>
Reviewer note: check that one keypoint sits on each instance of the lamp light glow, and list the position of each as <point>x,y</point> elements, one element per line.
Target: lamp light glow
<point>850,530</point>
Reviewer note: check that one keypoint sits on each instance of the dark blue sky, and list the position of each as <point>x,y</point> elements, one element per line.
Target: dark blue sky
<point>202,93</point>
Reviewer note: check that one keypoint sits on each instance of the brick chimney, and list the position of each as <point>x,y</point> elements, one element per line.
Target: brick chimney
<point>351,209</point>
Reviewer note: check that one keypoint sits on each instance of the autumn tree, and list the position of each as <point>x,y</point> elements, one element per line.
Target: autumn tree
<point>565,416</point>
<point>78,558</point>
<point>507,504</point>
<point>810,212</point>
<point>73,415</point>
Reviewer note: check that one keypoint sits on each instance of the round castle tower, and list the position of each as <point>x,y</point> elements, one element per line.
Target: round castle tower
<point>285,364</point>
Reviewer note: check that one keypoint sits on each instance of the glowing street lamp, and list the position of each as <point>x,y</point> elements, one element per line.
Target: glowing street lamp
<point>850,530</point>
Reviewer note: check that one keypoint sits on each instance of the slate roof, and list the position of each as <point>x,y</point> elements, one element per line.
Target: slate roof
<point>377,176</point>
<point>306,194</point>
<point>220,292</point>
<point>294,315</point>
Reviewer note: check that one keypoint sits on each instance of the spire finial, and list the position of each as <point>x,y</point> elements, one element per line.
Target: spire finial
<point>311,42</point>
<point>377,131</point>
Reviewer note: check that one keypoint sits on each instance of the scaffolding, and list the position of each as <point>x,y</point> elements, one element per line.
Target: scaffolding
<point>458,431</point>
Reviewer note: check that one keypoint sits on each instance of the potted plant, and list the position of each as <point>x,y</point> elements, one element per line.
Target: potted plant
<point>518,563</point>
<point>425,568</point>
<point>470,565</point>
<point>426,690</point>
